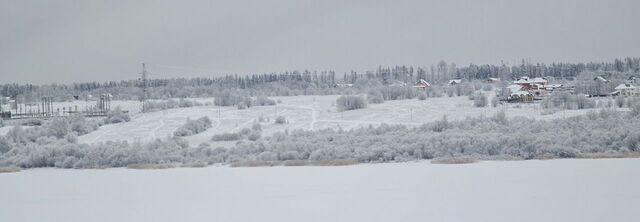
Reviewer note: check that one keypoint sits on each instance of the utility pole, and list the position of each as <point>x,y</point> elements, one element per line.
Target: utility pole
<point>144,86</point>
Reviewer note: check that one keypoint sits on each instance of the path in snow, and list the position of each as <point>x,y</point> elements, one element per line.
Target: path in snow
<point>154,132</point>
<point>314,115</point>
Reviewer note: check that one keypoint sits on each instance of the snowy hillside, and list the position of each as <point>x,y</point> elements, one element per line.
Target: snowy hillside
<point>309,113</point>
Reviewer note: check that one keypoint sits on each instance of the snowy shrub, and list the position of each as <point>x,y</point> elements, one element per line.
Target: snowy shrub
<point>374,96</point>
<point>289,155</point>
<point>397,92</point>
<point>32,122</point>
<point>254,135</point>
<point>494,101</point>
<point>635,110</point>
<point>582,102</point>
<point>564,100</point>
<point>256,127</point>
<point>480,100</point>
<point>117,116</point>
<point>632,101</point>
<point>226,137</point>
<point>5,146</point>
<point>247,102</point>
<point>59,128</point>
<point>422,96</point>
<point>350,102</point>
<point>281,120</point>
<point>632,142</point>
<point>450,92</point>
<point>81,125</point>
<point>264,101</point>
<point>434,91</point>
<point>185,103</point>
<point>619,101</point>
<point>192,127</point>
<point>169,104</point>
<point>268,156</point>
<point>557,152</point>
<point>245,131</point>
<point>500,118</point>
<point>226,98</point>
<point>440,126</point>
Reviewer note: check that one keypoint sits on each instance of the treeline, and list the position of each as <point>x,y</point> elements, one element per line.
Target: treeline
<point>315,83</point>
<point>373,91</point>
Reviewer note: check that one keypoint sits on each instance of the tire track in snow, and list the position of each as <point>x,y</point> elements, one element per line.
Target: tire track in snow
<point>153,132</point>
<point>314,115</point>
<point>101,134</point>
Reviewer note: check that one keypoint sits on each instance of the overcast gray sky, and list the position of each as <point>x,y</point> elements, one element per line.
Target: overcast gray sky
<point>83,40</point>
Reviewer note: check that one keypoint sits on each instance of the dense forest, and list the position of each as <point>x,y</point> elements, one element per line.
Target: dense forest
<point>319,83</point>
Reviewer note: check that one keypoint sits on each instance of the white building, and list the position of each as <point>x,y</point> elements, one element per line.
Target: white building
<point>455,81</point>
<point>422,84</point>
<point>627,90</point>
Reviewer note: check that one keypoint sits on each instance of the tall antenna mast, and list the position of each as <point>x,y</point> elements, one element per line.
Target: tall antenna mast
<point>144,86</point>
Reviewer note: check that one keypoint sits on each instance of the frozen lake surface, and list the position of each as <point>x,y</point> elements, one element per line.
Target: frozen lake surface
<point>552,190</point>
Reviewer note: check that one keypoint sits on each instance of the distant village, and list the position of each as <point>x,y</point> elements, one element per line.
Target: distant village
<point>526,89</point>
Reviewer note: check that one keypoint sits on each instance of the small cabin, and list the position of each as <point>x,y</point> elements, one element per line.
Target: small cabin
<point>455,82</point>
<point>422,84</point>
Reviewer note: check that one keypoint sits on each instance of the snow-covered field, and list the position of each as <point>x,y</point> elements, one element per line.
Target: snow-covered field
<point>304,112</point>
<point>538,190</point>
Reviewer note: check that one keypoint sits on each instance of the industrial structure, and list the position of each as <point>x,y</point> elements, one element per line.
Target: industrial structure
<point>19,108</point>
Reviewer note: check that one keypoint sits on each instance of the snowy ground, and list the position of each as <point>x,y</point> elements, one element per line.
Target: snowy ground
<point>538,190</point>
<point>305,112</point>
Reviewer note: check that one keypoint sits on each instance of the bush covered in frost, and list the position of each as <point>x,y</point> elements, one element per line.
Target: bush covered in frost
<point>565,100</point>
<point>350,102</point>
<point>169,104</point>
<point>193,127</point>
<point>375,96</point>
<point>281,120</point>
<point>496,137</point>
<point>117,116</point>
<point>264,101</point>
<point>480,100</point>
<point>226,137</point>
<point>228,98</point>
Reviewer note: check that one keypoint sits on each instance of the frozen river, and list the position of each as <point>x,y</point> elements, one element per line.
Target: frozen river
<point>552,190</point>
